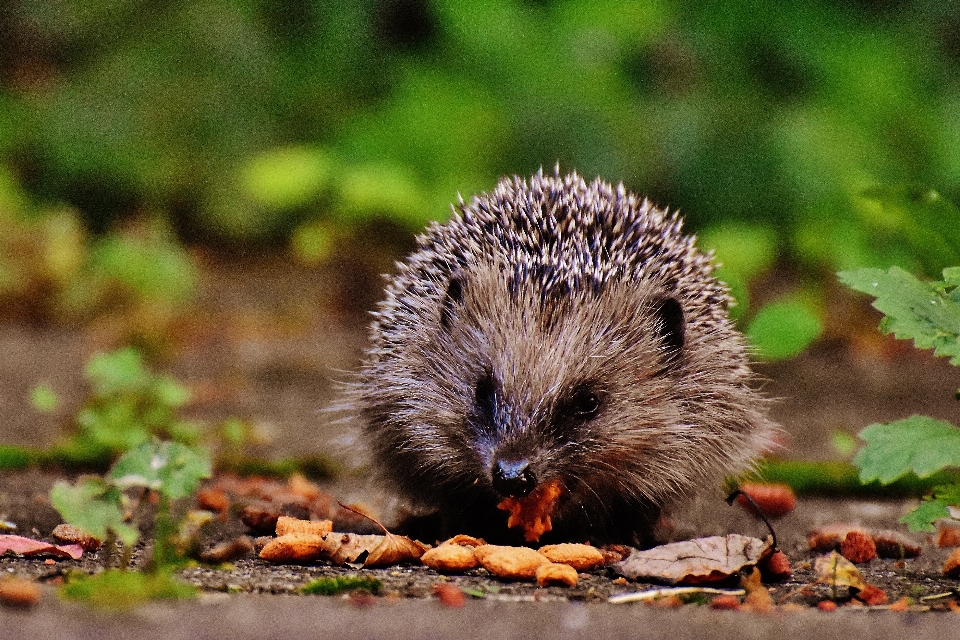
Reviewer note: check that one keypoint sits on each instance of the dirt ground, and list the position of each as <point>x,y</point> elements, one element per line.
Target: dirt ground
<point>266,345</point>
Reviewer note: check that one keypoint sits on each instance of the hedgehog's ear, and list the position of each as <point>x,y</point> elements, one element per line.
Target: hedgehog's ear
<point>670,326</point>
<point>452,300</point>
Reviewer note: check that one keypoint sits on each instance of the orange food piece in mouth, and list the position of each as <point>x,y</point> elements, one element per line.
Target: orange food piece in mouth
<point>533,511</point>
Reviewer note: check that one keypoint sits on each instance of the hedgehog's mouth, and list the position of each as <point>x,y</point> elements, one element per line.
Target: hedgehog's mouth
<point>513,478</point>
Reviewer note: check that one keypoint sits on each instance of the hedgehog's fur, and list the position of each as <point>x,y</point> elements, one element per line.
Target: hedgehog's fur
<point>491,331</point>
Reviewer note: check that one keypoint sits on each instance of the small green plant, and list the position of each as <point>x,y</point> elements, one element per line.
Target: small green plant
<point>339,584</point>
<point>166,471</point>
<point>929,314</point>
<point>128,405</point>
<point>116,589</point>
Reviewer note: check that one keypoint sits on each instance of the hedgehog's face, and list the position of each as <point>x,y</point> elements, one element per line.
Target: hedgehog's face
<point>582,386</point>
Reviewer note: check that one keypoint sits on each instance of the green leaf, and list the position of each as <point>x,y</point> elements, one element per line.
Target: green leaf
<point>923,517</point>
<point>924,219</point>
<point>173,469</point>
<point>44,398</point>
<point>783,329</point>
<point>746,251</point>
<point>922,311</point>
<point>951,275</point>
<point>917,444</point>
<point>286,177</point>
<point>120,371</point>
<point>94,506</point>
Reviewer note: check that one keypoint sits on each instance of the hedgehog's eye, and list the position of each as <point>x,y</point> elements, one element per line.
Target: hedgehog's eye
<point>483,393</point>
<point>584,404</point>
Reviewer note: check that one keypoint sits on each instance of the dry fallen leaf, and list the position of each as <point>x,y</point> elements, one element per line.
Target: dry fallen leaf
<point>394,549</point>
<point>341,548</point>
<point>533,512</point>
<point>390,549</point>
<point>695,561</point>
<point>835,570</point>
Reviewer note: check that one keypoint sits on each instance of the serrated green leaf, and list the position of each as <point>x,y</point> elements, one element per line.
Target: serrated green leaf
<point>922,311</point>
<point>917,444</point>
<point>923,517</point>
<point>94,506</point>
<point>951,275</point>
<point>173,469</point>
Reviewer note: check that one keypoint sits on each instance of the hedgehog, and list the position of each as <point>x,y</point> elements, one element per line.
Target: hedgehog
<point>557,331</point>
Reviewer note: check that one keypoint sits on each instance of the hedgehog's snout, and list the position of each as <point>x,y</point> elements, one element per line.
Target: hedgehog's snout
<point>513,478</point>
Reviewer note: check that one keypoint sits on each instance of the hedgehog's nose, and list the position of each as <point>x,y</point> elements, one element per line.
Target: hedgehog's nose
<point>513,479</point>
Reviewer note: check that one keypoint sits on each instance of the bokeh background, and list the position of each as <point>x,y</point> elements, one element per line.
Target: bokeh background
<point>151,152</point>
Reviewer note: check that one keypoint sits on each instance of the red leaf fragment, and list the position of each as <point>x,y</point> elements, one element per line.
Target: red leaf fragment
<point>726,603</point>
<point>213,499</point>
<point>887,544</point>
<point>449,595</point>
<point>903,604</point>
<point>873,596</point>
<point>858,547</point>
<point>30,547</point>
<point>893,544</point>
<point>951,567</point>
<point>776,567</point>
<point>773,499</point>
<point>17,592</point>
<point>948,535</point>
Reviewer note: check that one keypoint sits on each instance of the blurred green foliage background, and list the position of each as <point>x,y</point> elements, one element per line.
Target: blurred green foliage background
<point>813,135</point>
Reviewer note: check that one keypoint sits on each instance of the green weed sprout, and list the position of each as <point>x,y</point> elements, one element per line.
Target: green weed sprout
<point>127,406</point>
<point>929,314</point>
<point>99,506</point>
